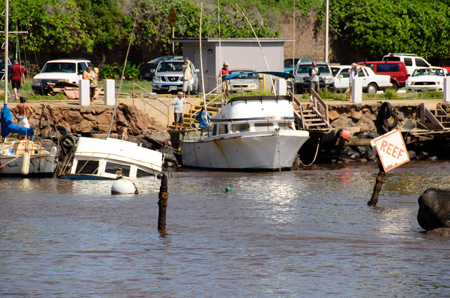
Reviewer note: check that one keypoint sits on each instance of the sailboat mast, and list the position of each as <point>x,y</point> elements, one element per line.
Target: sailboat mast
<point>6,48</point>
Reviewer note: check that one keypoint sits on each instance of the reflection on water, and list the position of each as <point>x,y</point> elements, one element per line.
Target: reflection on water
<point>306,233</point>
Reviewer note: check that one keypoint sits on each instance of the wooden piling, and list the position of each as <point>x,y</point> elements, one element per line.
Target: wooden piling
<point>162,203</point>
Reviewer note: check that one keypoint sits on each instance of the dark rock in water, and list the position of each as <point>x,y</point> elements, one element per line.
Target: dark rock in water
<point>434,209</point>
<point>439,232</point>
<point>412,155</point>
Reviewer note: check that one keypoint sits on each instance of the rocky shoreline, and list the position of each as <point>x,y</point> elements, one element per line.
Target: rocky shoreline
<point>361,120</point>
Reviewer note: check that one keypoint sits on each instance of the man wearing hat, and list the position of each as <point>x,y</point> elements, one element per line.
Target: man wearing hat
<point>178,103</point>
<point>223,73</point>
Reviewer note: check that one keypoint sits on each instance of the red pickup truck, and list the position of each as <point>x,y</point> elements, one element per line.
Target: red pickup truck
<point>395,69</point>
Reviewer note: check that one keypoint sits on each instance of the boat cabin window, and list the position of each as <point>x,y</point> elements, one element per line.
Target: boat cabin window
<point>87,167</point>
<point>223,129</point>
<point>263,126</point>
<point>214,130</point>
<point>240,127</point>
<point>112,167</point>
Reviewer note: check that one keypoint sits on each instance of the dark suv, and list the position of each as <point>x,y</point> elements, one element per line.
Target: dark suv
<point>395,69</point>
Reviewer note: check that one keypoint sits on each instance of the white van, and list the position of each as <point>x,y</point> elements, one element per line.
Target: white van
<point>59,71</point>
<point>411,61</point>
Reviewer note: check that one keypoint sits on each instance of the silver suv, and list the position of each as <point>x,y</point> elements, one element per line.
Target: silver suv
<point>302,80</point>
<point>60,71</point>
<point>169,76</point>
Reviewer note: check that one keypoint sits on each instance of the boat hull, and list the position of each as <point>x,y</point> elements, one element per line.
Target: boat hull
<point>25,158</point>
<point>246,151</point>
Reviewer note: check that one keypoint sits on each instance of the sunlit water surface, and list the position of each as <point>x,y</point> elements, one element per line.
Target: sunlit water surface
<point>305,233</point>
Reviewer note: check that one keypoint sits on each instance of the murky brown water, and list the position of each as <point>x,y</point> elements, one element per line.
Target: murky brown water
<point>306,233</point>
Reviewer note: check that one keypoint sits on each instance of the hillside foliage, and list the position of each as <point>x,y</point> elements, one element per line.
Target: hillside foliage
<point>385,26</point>
<point>100,29</point>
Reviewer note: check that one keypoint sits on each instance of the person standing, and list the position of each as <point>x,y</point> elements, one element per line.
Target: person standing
<point>353,73</point>
<point>203,120</point>
<point>178,103</point>
<point>17,77</point>
<point>225,71</point>
<point>314,79</point>
<point>187,78</point>
<point>90,75</point>
<point>23,112</point>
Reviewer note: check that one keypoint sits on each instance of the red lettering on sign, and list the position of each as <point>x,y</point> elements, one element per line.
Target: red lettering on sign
<point>390,149</point>
<point>383,144</point>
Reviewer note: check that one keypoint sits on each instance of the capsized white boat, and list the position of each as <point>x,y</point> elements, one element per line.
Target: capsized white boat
<point>109,158</point>
<point>248,133</point>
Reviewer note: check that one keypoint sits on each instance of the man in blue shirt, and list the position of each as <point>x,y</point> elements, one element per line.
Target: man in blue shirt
<point>203,120</point>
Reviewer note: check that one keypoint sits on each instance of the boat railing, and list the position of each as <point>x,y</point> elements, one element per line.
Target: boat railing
<point>135,95</point>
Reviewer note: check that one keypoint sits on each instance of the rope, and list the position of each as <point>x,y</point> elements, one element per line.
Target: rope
<point>315,156</point>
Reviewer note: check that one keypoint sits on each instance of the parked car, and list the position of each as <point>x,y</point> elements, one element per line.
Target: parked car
<point>445,63</point>
<point>371,82</point>
<point>289,64</point>
<point>148,69</point>
<point>59,72</point>
<point>426,79</point>
<point>302,80</point>
<point>248,82</point>
<point>395,69</point>
<point>169,77</point>
<point>411,61</point>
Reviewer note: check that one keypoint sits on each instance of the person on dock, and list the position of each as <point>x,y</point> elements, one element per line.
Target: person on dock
<point>203,120</point>
<point>353,73</point>
<point>178,103</point>
<point>23,112</point>
<point>225,71</point>
<point>187,78</point>
<point>17,77</point>
<point>314,79</point>
<point>90,75</point>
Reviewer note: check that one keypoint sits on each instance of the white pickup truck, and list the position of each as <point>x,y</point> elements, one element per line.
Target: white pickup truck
<point>59,72</point>
<point>371,82</point>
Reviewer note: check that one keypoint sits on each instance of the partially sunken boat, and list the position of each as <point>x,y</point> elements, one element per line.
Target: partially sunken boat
<point>248,133</point>
<point>100,159</point>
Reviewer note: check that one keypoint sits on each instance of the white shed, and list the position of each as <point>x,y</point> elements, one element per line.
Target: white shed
<point>240,53</point>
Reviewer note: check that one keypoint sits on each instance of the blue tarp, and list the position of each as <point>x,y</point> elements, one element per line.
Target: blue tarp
<point>272,73</point>
<point>7,125</point>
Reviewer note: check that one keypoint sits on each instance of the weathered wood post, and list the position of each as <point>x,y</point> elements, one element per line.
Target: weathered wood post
<point>377,188</point>
<point>162,203</point>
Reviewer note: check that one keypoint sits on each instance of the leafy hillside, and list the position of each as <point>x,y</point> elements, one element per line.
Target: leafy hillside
<point>101,29</point>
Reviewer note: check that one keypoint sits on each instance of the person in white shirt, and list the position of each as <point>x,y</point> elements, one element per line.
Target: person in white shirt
<point>178,103</point>
<point>353,73</point>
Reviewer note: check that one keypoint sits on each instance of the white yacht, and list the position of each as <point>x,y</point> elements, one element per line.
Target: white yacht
<point>248,133</point>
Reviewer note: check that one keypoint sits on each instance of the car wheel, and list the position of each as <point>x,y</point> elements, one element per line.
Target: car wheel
<point>395,85</point>
<point>372,88</point>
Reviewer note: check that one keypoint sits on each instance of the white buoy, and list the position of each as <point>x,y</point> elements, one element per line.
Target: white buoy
<point>124,186</point>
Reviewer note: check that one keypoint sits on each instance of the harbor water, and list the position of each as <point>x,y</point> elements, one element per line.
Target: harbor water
<point>302,233</point>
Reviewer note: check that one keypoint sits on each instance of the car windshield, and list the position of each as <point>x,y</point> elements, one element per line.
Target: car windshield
<point>59,67</point>
<point>429,72</point>
<point>170,66</point>
<point>323,69</point>
<point>244,77</point>
<point>288,62</point>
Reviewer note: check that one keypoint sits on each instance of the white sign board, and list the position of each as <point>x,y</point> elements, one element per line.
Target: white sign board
<point>391,149</point>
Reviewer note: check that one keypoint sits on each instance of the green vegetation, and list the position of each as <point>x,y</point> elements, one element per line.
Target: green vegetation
<point>385,26</point>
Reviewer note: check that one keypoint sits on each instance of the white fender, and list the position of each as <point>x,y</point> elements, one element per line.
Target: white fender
<point>124,186</point>
<point>25,163</point>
